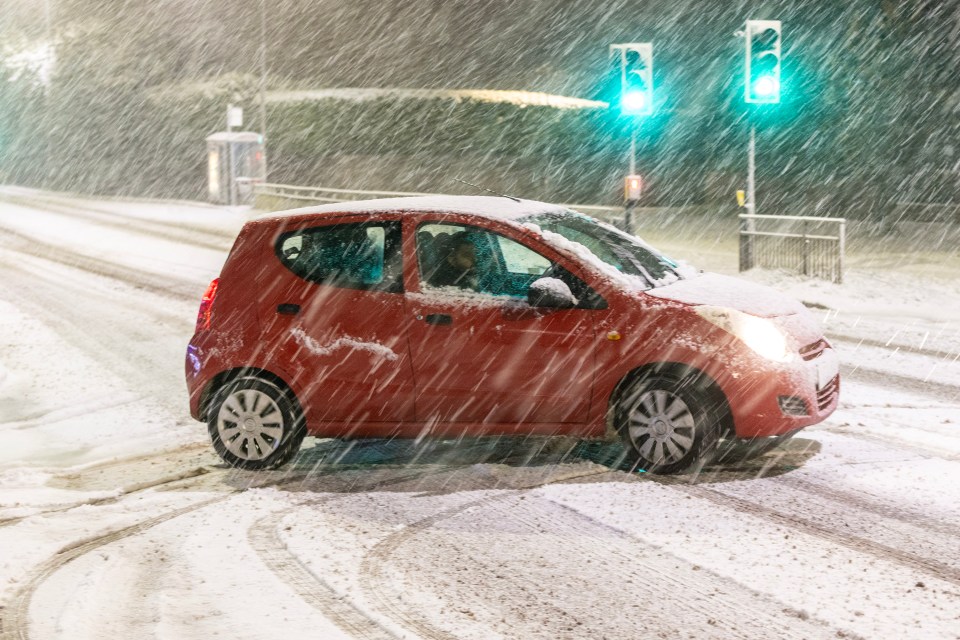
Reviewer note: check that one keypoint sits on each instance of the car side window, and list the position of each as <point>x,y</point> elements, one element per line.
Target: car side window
<point>474,259</point>
<point>363,256</point>
<point>519,259</point>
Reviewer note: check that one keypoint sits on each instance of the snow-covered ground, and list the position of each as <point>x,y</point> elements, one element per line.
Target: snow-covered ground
<point>117,520</point>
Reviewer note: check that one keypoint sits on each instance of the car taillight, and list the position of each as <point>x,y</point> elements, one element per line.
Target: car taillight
<point>203,317</point>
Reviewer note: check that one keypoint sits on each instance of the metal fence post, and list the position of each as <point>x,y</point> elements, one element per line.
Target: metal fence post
<point>746,244</point>
<point>842,250</point>
<point>806,250</point>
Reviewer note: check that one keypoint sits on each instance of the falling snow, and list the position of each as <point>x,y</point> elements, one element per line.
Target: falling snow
<point>116,517</point>
<point>109,493</point>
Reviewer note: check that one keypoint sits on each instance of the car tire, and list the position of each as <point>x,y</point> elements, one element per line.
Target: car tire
<point>255,424</point>
<point>669,421</point>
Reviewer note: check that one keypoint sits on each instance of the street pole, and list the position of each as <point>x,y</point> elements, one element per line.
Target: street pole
<point>749,226</point>
<point>46,149</point>
<point>751,169</point>
<point>263,69</point>
<point>629,204</point>
<point>49,20</point>
<point>263,83</point>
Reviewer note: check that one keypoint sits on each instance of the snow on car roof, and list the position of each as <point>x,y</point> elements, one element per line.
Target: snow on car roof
<point>499,207</point>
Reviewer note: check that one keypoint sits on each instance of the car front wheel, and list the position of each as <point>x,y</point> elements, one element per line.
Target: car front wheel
<point>669,422</point>
<point>255,424</point>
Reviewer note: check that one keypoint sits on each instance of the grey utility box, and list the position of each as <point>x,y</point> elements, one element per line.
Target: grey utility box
<point>235,163</point>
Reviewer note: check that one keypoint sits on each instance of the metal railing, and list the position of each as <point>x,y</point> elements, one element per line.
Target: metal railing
<point>812,246</point>
<point>323,195</point>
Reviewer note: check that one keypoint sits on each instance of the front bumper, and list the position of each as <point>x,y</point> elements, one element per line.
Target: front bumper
<point>768,400</point>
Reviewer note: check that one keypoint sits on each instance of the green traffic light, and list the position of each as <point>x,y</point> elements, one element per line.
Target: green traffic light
<point>763,52</point>
<point>634,102</point>
<point>766,87</point>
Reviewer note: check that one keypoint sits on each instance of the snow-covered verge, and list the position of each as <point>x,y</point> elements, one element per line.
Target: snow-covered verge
<point>116,519</point>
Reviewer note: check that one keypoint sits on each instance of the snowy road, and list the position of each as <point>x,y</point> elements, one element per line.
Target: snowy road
<point>116,519</point>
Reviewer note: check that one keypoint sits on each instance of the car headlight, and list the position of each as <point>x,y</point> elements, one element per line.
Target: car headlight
<point>762,336</point>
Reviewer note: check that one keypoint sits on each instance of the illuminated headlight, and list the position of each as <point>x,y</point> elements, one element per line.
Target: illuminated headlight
<point>761,335</point>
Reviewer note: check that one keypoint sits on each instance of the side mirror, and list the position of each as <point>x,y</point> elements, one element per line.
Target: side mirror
<point>551,293</point>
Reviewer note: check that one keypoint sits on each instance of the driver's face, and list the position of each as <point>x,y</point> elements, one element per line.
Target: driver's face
<point>464,257</point>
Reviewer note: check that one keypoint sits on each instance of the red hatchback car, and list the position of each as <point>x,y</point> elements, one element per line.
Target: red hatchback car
<point>470,316</point>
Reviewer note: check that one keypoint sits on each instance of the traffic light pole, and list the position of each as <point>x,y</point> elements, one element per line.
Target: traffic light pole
<point>629,204</point>
<point>751,171</point>
<point>749,225</point>
<point>763,49</point>
<point>263,81</point>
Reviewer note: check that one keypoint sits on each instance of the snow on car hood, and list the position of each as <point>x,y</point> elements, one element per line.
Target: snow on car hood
<point>723,291</point>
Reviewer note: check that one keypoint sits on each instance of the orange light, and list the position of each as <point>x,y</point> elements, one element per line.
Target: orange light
<point>613,336</point>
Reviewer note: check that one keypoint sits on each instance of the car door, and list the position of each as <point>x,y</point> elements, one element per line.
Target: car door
<point>480,353</point>
<point>333,313</point>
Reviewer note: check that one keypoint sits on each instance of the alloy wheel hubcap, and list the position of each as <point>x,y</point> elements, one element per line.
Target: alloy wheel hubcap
<point>250,424</point>
<point>661,427</point>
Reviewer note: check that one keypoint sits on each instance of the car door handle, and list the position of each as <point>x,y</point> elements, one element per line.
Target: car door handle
<point>288,309</point>
<point>438,318</point>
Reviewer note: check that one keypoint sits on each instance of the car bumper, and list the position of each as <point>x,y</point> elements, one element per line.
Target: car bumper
<point>771,402</point>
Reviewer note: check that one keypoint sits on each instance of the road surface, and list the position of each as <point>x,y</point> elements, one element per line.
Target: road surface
<point>117,520</point>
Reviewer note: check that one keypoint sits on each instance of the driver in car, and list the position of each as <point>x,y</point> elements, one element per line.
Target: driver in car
<point>458,267</point>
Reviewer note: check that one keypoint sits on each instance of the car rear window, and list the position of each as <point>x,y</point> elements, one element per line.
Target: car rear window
<point>351,256</point>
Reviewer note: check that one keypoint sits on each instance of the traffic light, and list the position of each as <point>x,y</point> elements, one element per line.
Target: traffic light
<point>635,62</point>
<point>632,187</point>
<point>763,62</point>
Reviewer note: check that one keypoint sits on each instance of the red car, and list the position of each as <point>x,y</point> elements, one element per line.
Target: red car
<point>470,316</point>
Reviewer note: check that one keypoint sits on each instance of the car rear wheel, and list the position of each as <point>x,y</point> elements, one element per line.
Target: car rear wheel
<point>669,422</point>
<point>255,424</point>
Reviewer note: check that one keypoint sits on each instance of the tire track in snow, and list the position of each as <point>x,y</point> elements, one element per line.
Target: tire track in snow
<point>707,585</point>
<point>374,581</point>
<point>859,544</point>
<point>121,493</point>
<point>873,506</point>
<point>854,414</point>
<point>856,543</point>
<point>309,587</point>
<point>855,341</point>
<point>899,445</point>
<point>15,615</point>
<point>669,595</point>
<point>139,226</point>
<point>84,203</point>
<point>95,319</point>
<point>14,623</point>
<point>266,542</point>
<point>936,390</point>
<point>166,285</point>
<point>866,513</point>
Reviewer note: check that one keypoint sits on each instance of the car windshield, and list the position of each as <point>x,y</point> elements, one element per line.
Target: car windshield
<point>623,252</point>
